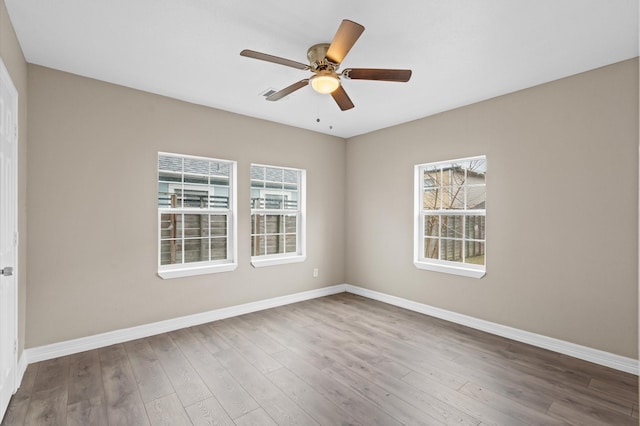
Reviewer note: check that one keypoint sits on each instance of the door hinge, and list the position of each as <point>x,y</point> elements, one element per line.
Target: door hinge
<point>16,238</point>
<point>15,346</point>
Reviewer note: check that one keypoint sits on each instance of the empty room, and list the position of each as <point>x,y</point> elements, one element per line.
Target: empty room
<point>362,213</point>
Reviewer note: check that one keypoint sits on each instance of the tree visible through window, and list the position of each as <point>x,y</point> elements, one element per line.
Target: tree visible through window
<point>450,203</point>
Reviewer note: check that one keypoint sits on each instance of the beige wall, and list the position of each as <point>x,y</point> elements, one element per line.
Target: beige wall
<point>562,250</point>
<point>562,200</point>
<point>13,59</point>
<point>92,206</point>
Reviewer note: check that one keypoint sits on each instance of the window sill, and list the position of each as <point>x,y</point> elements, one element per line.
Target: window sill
<point>450,269</point>
<point>260,261</point>
<point>201,270</point>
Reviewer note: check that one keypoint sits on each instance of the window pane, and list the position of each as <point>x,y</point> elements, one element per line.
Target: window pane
<point>196,225</point>
<point>290,200</point>
<point>258,245</point>
<point>198,198</point>
<point>275,244</point>
<point>454,174</point>
<point>257,224</point>
<point>219,169</point>
<point>453,197</point>
<point>220,198</point>
<point>451,250</point>
<point>291,176</point>
<point>168,226</point>
<point>432,199</point>
<point>431,248</point>
<point>219,181</point>
<point>218,225</point>
<point>274,201</point>
<point>290,186</point>
<point>451,226</point>
<point>273,185</point>
<point>197,179</point>
<point>275,224</point>
<point>171,177</point>
<point>431,177</point>
<point>196,166</point>
<point>431,225</point>
<point>175,225</point>
<point>218,248</point>
<point>256,201</point>
<point>274,175</point>
<point>257,183</point>
<point>476,197</point>
<point>476,171</point>
<point>170,252</point>
<point>474,252</point>
<point>170,163</point>
<point>196,250</point>
<point>257,173</point>
<point>166,197</point>
<point>290,224</point>
<point>475,227</point>
<point>290,241</point>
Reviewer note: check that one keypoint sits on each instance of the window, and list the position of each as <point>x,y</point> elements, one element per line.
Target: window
<point>450,216</point>
<point>196,215</point>
<point>277,215</point>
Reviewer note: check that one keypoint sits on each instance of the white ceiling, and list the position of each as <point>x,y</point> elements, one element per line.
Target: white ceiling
<point>460,51</point>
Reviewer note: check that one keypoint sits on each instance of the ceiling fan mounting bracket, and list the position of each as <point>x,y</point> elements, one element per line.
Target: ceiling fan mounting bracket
<point>316,55</point>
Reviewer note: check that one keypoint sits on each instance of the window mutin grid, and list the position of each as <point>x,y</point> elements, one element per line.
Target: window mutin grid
<point>196,214</point>
<point>450,200</point>
<point>277,213</point>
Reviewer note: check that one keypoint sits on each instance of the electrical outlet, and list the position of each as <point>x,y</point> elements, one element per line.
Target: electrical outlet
<point>315,272</point>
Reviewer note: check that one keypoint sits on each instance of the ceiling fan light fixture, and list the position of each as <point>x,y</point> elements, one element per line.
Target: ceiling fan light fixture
<point>325,83</point>
<point>324,62</point>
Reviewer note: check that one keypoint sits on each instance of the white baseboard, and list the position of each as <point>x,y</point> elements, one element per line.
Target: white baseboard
<point>596,356</point>
<point>69,347</point>
<point>54,350</point>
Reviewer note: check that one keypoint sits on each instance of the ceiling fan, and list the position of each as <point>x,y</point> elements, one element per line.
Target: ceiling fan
<point>324,61</point>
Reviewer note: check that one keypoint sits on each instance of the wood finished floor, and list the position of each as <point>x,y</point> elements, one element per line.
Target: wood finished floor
<point>336,360</point>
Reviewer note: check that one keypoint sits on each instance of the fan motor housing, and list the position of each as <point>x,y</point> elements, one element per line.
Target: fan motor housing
<point>317,57</point>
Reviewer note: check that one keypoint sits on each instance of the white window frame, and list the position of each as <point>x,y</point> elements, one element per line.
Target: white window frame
<point>204,267</point>
<point>301,214</point>
<point>445,266</point>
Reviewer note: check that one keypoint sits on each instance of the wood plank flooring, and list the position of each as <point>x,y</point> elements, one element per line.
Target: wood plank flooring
<point>337,360</point>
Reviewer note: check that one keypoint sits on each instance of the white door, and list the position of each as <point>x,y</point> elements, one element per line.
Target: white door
<point>8,237</point>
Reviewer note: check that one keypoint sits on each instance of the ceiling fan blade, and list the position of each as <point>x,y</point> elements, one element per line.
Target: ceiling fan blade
<point>342,99</point>
<point>346,36</point>
<point>379,74</point>
<point>287,90</point>
<point>275,59</point>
